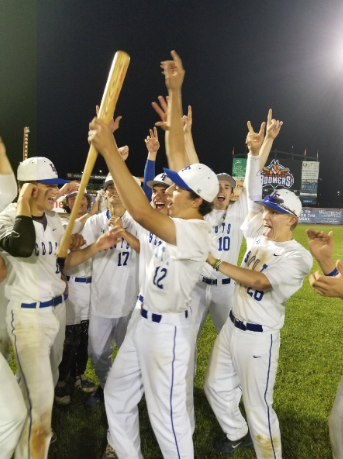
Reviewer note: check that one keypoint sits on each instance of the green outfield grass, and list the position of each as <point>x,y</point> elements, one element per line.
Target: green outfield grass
<point>310,367</point>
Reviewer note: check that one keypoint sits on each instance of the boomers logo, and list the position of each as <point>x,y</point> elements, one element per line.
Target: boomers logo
<point>277,175</point>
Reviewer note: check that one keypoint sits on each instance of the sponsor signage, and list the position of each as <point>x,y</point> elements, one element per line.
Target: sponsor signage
<point>309,180</point>
<point>321,216</point>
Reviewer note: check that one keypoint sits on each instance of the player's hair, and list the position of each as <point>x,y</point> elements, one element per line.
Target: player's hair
<point>68,209</point>
<point>205,207</point>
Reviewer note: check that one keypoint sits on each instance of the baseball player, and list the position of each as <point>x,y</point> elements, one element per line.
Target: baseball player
<point>246,350</point>
<point>8,192</point>
<point>114,286</point>
<point>12,406</point>
<point>79,278</point>
<point>30,234</point>
<point>213,292</point>
<point>160,340</point>
<point>330,284</point>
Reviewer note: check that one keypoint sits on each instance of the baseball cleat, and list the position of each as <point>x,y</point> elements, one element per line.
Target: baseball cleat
<point>109,453</point>
<point>81,382</point>
<point>96,398</point>
<point>62,393</point>
<point>227,446</point>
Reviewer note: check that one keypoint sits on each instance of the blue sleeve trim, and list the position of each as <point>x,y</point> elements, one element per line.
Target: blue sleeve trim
<point>149,174</point>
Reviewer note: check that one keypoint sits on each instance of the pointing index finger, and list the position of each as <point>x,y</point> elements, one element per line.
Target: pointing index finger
<point>269,117</point>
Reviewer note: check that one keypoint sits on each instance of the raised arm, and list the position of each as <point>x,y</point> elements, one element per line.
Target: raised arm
<point>133,199</point>
<point>153,145</point>
<point>189,144</point>
<point>8,185</point>
<point>321,246</point>
<point>273,130</point>
<point>175,142</point>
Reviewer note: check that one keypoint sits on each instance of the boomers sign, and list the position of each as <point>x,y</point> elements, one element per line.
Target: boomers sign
<point>276,175</point>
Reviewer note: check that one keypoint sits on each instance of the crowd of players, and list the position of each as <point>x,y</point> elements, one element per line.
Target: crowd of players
<point>145,275</point>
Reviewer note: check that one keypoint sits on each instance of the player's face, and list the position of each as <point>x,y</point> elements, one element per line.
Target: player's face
<point>179,201</point>
<point>160,198</point>
<point>112,195</point>
<point>222,200</point>
<point>46,197</point>
<point>83,205</point>
<point>277,225</point>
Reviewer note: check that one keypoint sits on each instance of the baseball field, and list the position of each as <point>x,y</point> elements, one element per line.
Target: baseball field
<point>310,368</point>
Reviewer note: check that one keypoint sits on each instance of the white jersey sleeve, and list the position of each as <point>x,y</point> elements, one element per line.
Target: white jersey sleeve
<point>8,190</point>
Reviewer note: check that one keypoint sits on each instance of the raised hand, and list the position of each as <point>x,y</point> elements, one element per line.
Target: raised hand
<point>273,126</point>
<point>113,124</point>
<point>327,285</point>
<point>162,111</point>
<point>187,121</point>
<point>68,188</point>
<point>28,191</point>
<point>321,245</point>
<point>254,139</point>
<point>173,72</point>
<point>124,152</point>
<point>151,142</point>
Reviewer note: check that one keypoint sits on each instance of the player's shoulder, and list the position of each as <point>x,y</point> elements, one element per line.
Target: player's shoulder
<point>293,248</point>
<point>196,225</point>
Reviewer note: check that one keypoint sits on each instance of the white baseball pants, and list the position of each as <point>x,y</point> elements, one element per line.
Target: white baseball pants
<point>102,334</point>
<point>248,359</point>
<point>154,359</point>
<point>211,299</point>
<point>37,336</point>
<point>12,411</point>
<point>78,301</point>
<point>336,424</point>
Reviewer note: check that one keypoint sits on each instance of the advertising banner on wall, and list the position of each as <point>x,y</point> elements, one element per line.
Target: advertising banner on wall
<point>309,179</point>
<point>321,216</point>
<point>239,166</point>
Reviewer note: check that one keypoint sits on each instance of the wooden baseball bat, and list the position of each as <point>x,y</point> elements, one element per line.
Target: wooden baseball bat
<point>108,103</point>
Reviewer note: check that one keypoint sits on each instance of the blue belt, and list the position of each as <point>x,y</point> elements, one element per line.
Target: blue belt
<point>242,326</point>
<point>85,280</point>
<point>216,281</point>
<point>45,304</point>
<point>155,317</point>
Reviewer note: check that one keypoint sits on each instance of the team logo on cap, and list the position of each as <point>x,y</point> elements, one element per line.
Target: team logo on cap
<point>53,168</point>
<point>163,176</point>
<point>277,175</point>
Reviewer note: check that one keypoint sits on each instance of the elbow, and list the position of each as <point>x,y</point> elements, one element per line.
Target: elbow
<point>261,285</point>
<point>22,252</point>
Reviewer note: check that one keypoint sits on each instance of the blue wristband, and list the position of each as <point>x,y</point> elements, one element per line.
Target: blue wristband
<point>333,273</point>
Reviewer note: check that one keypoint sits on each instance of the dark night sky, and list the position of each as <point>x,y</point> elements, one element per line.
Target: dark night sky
<point>241,57</point>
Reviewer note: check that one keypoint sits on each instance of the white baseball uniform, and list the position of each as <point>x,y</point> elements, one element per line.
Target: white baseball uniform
<point>36,327</point>
<point>213,292</point>
<point>12,407</point>
<point>114,291</point>
<point>247,349</point>
<point>158,348</point>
